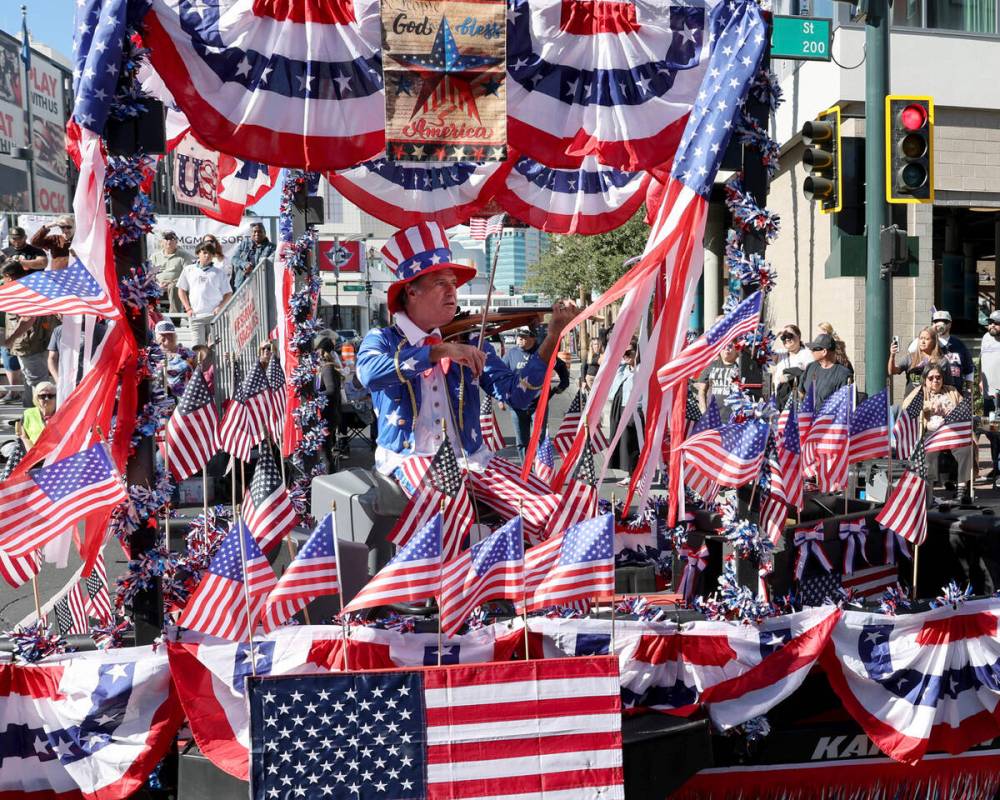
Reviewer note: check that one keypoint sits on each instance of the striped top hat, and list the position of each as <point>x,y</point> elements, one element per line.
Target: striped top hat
<point>416,251</point>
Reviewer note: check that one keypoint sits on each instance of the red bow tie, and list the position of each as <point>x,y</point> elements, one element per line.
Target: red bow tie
<point>444,363</point>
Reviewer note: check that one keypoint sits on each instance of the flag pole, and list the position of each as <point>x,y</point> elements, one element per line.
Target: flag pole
<point>524,592</point>
<point>38,600</point>
<point>489,291</point>
<point>440,636</point>
<point>614,596</point>
<point>340,585</point>
<point>847,479</point>
<point>916,545</point>
<point>246,588</point>
<point>166,469</point>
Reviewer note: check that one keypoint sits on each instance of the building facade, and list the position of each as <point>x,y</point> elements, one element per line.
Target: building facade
<point>519,250</point>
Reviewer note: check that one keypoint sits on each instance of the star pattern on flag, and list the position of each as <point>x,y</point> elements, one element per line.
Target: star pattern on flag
<point>444,473</point>
<point>870,415</point>
<point>195,395</point>
<point>426,543</point>
<point>491,551</point>
<point>228,559</point>
<point>590,540</point>
<point>70,474</point>
<point>97,45</point>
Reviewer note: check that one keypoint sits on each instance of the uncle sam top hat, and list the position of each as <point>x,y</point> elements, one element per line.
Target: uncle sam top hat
<point>416,251</point>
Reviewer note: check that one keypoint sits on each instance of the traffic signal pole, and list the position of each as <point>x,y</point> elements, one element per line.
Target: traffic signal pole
<point>878,294</point>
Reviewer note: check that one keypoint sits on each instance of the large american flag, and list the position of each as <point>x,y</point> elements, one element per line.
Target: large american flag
<point>441,482</point>
<point>699,354</point>
<point>488,424</point>
<point>44,503</point>
<point>72,290</point>
<point>492,569</point>
<point>256,396</point>
<point>905,512</point>
<point>906,431</point>
<point>730,455</point>
<point>312,573</point>
<point>192,430</point>
<point>870,429</point>
<point>548,728</point>
<point>584,568</point>
<point>483,227</point>
<point>413,574</point>
<point>267,507</point>
<point>955,430</point>
<point>579,497</point>
<point>218,606</point>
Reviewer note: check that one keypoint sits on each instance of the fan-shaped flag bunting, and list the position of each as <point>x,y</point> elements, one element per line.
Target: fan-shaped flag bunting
<point>286,84</point>
<point>595,77</point>
<point>404,194</point>
<point>590,199</point>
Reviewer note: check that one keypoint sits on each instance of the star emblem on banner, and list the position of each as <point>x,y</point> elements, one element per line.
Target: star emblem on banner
<point>446,75</point>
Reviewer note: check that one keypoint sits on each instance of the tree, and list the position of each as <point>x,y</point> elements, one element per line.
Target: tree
<point>592,263</point>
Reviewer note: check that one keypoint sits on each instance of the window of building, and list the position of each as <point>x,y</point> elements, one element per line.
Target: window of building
<point>968,16</point>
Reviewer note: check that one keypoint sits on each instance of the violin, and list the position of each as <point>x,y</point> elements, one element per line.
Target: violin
<point>497,322</point>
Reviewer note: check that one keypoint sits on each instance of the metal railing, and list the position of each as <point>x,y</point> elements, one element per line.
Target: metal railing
<point>242,325</point>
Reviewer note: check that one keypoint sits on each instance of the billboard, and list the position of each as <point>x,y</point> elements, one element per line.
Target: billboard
<point>13,174</point>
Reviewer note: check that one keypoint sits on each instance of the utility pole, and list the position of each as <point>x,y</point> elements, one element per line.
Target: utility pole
<point>878,290</point>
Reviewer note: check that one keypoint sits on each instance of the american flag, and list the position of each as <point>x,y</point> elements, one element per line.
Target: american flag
<point>821,588</point>
<point>773,510</point>
<point>235,436</point>
<point>413,574</point>
<point>703,485</point>
<point>45,502</point>
<point>71,613</point>
<point>731,455</point>
<point>831,426</point>
<point>545,461</point>
<point>905,512</point>
<point>442,482</point>
<point>807,410</point>
<point>548,728</point>
<point>312,573</point>
<point>870,429</point>
<point>955,430</point>
<point>483,227</point>
<point>906,431</point>
<point>563,440</point>
<point>692,412</point>
<point>790,460</point>
<point>98,603</point>
<point>72,290</point>
<point>255,394</point>
<point>17,570</point>
<point>501,487</point>
<point>585,567</point>
<point>579,497</point>
<point>276,383</point>
<point>267,507</point>
<point>191,433</point>
<point>218,606</point>
<point>492,569</point>
<point>489,426</point>
<point>699,354</point>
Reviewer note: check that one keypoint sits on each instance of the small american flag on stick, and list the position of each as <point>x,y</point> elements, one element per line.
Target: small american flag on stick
<point>489,426</point>
<point>585,566</point>
<point>579,497</point>
<point>955,430</point>
<point>312,573</point>
<point>870,429</point>
<point>72,290</point>
<point>267,508</point>
<point>905,512</point>
<point>483,227</point>
<point>906,431</point>
<point>192,431</point>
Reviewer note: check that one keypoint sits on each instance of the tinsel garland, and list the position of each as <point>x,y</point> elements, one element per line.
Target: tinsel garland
<point>401,623</point>
<point>136,223</point>
<point>128,172</point>
<point>893,599</point>
<point>139,290</point>
<point>142,574</point>
<point>34,642</point>
<point>746,213</point>
<point>754,136</point>
<point>952,595</point>
<point>153,415</point>
<point>767,89</point>
<point>753,270</point>
<point>112,635</point>
<point>184,571</point>
<point>733,602</point>
<point>747,540</point>
<point>753,731</point>
<point>640,608</point>
<point>301,500</point>
<point>760,344</point>
<point>143,508</point>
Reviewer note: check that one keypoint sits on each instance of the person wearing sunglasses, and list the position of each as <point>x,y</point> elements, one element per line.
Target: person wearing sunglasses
<point>34,419</point>
<point>29,256</point>
<point>56,239</point>
<point>795,357</point>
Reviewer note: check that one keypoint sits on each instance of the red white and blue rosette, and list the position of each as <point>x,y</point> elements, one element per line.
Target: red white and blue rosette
<point>615,79</point>
<point>286,84</point>
<point>403,194</point>
<point>590,199</point>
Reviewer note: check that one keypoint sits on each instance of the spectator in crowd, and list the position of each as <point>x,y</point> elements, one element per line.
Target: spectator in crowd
<point>840,346</point>
<point>265,354</point>
<point>250,253</point>
<point>517,358</point>
<point>990,385</point>
<point>626,455</point>
<point>928,352</point>
<point>960,371</point>
<point>718,380</point>
<point>795,357</point>
<point>218,258</point>
<point>939,400</point>
<point>179,360</point>
<point>34,419</point>
<point>55,345</point>
<point>169,262</point>
<point>329,383</point>
<point>27,337</point>
<point>594,355</point>
<point>203,290</point>
<point>11,366</point>
<point>825,375</point>
<point>56,240</point>
<point>589,376</point>
<point>31,257</point>
<point>205,358</point>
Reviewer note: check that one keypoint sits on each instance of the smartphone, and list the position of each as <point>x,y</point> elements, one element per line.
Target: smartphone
<point>895,340</point>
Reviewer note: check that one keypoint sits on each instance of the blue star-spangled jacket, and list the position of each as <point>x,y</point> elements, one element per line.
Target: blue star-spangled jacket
<point>391,369</point>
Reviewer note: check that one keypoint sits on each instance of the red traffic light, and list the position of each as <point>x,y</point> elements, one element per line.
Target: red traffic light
<point>913,117</point>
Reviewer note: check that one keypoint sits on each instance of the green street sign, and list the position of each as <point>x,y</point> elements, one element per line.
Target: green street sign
<point>801,38</point>
<point>352,287</point>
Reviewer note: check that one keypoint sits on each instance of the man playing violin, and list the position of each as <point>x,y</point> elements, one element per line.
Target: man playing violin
<point>423,388</point>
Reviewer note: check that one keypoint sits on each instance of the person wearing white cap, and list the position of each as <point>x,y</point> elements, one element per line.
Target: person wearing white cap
<point>990,371</point>
<point>180,360</point>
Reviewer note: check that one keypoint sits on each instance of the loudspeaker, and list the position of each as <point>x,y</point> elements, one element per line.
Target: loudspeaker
<point>199,779</point>
<point>146,132</point>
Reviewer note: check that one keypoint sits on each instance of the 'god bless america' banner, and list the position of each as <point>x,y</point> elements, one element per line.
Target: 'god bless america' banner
<point>445,95</point>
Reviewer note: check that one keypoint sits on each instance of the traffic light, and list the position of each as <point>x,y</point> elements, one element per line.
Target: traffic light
<point>821,160</point>
<point>510,290</point>
<point>909,149</point>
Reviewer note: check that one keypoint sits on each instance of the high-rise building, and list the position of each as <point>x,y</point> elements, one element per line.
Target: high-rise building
<point>520,249</point>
